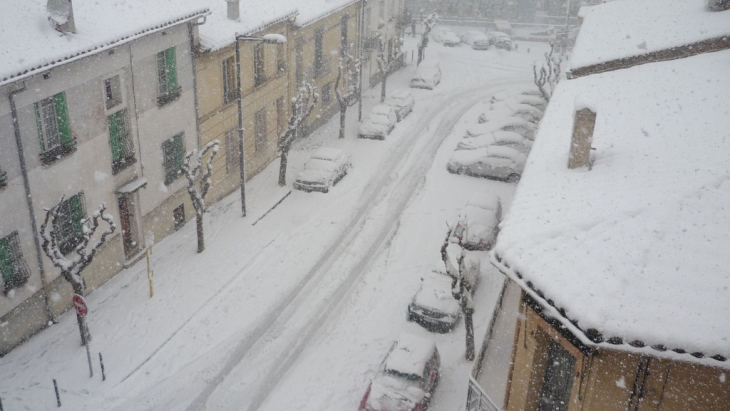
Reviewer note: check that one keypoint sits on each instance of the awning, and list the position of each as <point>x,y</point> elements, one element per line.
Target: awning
<point>132,186</point>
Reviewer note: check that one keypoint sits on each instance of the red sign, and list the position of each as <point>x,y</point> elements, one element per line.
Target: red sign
<point>80,305</point>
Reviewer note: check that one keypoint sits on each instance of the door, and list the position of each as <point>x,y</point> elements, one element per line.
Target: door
<point>558,381</point>
<point>129,229</point>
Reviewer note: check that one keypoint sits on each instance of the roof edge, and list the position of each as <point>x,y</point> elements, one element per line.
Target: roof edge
<point>325,15</point>
<point>594,338</point>
<point>98,49</point>
<point>673,53</point>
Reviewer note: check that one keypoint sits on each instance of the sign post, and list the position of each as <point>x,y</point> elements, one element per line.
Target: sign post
<point>82,309</point>
<point>150,240</point>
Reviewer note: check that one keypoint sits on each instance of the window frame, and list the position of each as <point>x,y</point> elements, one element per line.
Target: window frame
<point>54,109</point>
<point>168,87</point>
<point>69,226</point>
<point>321,62</point>
<point>176,144</point>
<point>281,117</point>
<point>122,148</point>
<point>11,258</point>
<point>280,58</point>
<point>232,150</point>
<point>112,103</point>
<point>326,94</point>
<point>230,85</point>
<point>259,64</point>
<point>260,130</point>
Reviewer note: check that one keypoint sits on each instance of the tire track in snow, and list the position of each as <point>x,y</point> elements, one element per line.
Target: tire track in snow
<point>283,320</point>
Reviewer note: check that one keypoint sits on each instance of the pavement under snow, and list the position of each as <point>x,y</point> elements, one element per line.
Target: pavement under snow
<point>297,311</point>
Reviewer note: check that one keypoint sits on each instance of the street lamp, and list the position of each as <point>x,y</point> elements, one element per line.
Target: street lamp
<point>268,39</point>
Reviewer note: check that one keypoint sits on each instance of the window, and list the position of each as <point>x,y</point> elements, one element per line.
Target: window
<point>230,86</point>
<point>113,92</point>
<point>298,55</point>
<point>280,58</point>
<point>69,226</point>
<point>120,140</point>
<point>321,66</point>
<point>326,94</point>
<point>558,380</point>
<point>259,65</point>
<point>232,150</point>
<point>173,155</point>
<point>13,268</point>
<point>178,216</point>
<point>261,129</point>
<point>281,120</point>
<point>167,87</point>
<point>54,128</point>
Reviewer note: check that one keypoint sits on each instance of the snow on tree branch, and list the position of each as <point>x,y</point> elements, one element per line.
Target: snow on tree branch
<point>191,168</point>
<point>301,107</point>
<point>547,78</point>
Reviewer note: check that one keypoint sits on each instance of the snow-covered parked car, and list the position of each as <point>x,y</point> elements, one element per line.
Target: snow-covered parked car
<point>379,123</point>
<point>437,33</point>
<point>500,40</point>
<point>323,170</point>
<point>427,76</point>
<point>402,102</point>
<point>512,108</point>
<point>523,127</point>
<point>477,226</point>
<point>407,378</point>
<point>495,162</point>
<point>433,306</point>
<point>498,138</point>
<point>450,39</point>
<point>476,39</point>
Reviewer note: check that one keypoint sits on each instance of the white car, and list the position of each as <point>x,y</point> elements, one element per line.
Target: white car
<point>379,123</point>
<point>476,39</point>
<point>498,138</point>
<point>500,40</point>
<point>512,108</point>
<point>450,39</point>
<point>323,170</point>
<point>478,223</point>
<point>402,102</point>
<point>427,76</point>
<point>437,33</point>
<point>523,127</point>
<point>495,162</point>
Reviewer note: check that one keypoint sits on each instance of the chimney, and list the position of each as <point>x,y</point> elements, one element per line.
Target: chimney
<point>717,5</point>
<point>61,15</point>
<point>233,9</point>
<point>580,144</point>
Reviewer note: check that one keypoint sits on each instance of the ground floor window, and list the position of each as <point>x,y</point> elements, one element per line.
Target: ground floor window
<point>13,268</point>
<point>558,381</point>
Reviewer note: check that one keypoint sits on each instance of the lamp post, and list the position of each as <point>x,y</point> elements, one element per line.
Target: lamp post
<point>268,39</point>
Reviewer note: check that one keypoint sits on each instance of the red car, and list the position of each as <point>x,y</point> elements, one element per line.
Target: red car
<point>407,378</point>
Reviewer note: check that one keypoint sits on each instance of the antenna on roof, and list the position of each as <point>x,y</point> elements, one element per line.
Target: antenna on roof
<point>61,15</point>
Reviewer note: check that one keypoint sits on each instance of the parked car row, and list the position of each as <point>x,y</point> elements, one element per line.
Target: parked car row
<point>477,40</point>
<point>498,145</point>
<point>428,76</point>
<point>382,118</point>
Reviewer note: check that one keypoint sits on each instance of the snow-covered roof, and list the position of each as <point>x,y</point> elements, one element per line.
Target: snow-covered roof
<point>410,354</point>
<point>28,43</point>
<point>635,250</point>
<point>628,28</point>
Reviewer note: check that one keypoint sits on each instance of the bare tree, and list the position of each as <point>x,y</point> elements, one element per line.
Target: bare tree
<point>71,267</point>
<point>301,107</point>
<point>191,169</point>
<point>547,78</point>
<point>387,62</point>
<point>429,22</point>
<point>461,289</point>
<point>350,70</point>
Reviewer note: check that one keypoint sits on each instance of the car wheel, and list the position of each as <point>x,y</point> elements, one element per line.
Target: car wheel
<point>513,178</point>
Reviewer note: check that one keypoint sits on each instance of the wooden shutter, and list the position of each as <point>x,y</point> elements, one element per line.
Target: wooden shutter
<point>115,137</point>
<point>171,63</point>
<point>64,126</point>
<point>76,207</point>
<point>39,126</point>
<point>6,260</point>
<point>179,152</point>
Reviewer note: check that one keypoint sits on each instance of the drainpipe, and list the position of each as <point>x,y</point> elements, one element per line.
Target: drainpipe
<point>193,56</point>
<point>29,198</point>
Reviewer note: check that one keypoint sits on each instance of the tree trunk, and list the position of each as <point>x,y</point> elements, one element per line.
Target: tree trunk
<point>420,56</point>
<point>469,324</point>
<point>382,90</point>
<point>282,166</point>
<point>199,227</point>
<point>343,111</point>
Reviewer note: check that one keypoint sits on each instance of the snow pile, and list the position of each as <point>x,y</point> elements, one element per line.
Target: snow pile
<point>628,28</point>
<point>635,248</point>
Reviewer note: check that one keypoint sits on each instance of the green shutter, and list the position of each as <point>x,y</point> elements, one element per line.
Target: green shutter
<point>171,63</point>
<point>6,260</point>
<point>64,126</point>
<point>179,151</point>
<point>77,213</point>
<point>39,126</point>
<point>115,137</point>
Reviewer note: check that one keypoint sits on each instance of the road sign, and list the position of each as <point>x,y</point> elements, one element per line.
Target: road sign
<point>80,305</point>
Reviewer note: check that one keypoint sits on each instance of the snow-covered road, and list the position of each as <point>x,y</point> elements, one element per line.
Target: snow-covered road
<point>296,311</point>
